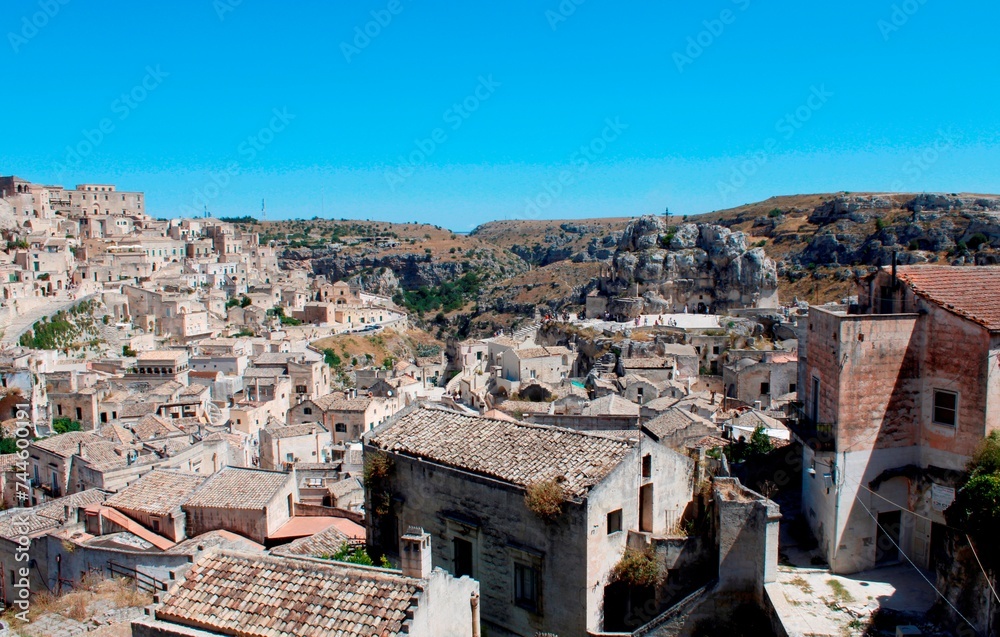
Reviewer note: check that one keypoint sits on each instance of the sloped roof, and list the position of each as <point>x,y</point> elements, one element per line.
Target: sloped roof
<point>516,453</point>
<point>611,405</point>
<point>238,488</point>
<point>255,595</point>
<point>971,292</point>
<point>158,492</point>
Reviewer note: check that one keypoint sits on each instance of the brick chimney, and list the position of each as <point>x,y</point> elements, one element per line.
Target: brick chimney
<point>415,553</point>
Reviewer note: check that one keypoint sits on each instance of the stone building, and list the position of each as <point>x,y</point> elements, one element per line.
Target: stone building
<point>758,376</point>
<point>347,418</point>
<point>898,392</point>
<point>251,502</point>
<point>464,479</point>
<point>310,443</point>
<point>155,501</point>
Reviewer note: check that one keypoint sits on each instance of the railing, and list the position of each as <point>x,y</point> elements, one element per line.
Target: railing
<point>142,581</point>
<point>818,436</point>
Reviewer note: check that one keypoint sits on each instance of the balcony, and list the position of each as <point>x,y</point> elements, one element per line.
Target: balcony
<point>817,436</point>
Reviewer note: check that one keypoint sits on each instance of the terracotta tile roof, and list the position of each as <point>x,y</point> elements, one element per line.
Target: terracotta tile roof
<point>152,426</point>
<point>517,453</point>
<point>611,405</point>
<point>254,595</point>
<point>158,492</point>
<point>324,543</point>
<point>67,444</point>
<point>18,522</point>
<point>293,431</point>
<point>336,402</point>
<point>971,292</point>
<point>238,488</point>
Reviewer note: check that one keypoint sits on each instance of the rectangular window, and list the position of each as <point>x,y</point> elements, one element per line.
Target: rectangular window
<point>647,466</point>
<point>791,388</point>
<point>945,407</point>
<point>614,521</point>
<point>715,349</point>
<point>463,557</point>
<point>765,388</point>
<point>340,428</point>
<point>526,587</point>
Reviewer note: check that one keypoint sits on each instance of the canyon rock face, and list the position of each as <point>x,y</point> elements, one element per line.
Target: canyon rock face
<point>408,270</point>
<point>699,266</point>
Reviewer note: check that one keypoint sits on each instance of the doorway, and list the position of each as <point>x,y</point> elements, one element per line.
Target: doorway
<point>887,538</point>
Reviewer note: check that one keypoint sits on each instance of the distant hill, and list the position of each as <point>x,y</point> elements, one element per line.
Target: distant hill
<point>820,243</point>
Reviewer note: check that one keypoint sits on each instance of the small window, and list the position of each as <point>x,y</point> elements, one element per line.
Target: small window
<point>307,411</point>
<point>791,388</point>
<point>614,521</point>
<point>715,349</point>
<point>765,388</point>
<point>647,466</point>
<point>526,587</point>
<point>156,525</point>
<point>289,457</point>
<point>945,407</point>
<point>340,428</point>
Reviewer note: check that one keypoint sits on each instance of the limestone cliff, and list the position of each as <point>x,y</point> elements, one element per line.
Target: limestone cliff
<point>698,265</point>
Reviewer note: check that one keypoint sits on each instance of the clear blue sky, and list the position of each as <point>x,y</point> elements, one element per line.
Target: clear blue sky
<point>880,98</point>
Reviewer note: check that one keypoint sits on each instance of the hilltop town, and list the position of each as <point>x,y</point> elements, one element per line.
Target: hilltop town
<point>754,420</point>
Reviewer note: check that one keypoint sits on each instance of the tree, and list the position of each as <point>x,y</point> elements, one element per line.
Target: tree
<point>760,442</point>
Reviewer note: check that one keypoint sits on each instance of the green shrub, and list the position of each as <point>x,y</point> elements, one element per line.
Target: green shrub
<point>64,425</point>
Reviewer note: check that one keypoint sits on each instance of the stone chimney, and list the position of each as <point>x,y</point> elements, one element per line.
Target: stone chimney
<point>415,553</point>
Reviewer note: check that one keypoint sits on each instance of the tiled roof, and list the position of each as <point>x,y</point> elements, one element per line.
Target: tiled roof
<point>322,544</point>
<point>152,426</point>
<point>18,522</point>
<point>647,362</point>
<point>332,402</point>
<point>524,407</point>
<point>971,292</point>
<point>611,405</point>
<point>680,423</point>
<point>67,444</point>
<point>254,595</point>
<point>292,431</point>
<point>238,488</point>
<point>158,492</point>
<point>517,453</point>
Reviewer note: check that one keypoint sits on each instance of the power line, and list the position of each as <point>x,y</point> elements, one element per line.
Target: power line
<point>968,539</point>
<point>917,569</point>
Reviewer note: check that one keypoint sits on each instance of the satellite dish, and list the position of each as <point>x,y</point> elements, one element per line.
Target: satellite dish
<point>389,393</point>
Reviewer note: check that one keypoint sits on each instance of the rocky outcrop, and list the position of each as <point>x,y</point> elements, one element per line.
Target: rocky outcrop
<point>700,266</point>
<point>409,270</point>
<point>381,281</point>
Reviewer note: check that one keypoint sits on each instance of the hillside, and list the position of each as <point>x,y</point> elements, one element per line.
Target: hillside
<point>503,271</point>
